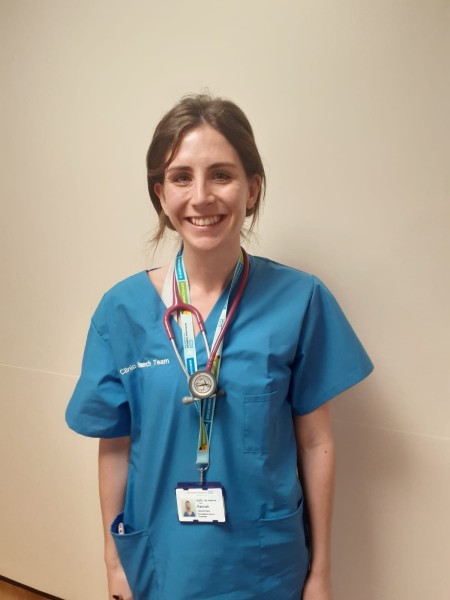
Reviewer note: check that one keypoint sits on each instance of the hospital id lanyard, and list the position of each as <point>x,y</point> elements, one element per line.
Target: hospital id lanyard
<point>206,407</point>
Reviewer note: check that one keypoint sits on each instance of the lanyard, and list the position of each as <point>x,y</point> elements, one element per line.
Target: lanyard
<point>205,407</point>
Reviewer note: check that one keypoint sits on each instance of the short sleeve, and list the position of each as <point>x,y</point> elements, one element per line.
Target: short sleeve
<point>99,406</point>
<point>330,358</point>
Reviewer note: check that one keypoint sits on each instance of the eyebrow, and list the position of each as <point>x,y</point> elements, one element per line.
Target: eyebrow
<point>218,165</point>
<point>221,165</point>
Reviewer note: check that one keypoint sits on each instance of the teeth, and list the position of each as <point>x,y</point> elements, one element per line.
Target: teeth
<point>203,221</point>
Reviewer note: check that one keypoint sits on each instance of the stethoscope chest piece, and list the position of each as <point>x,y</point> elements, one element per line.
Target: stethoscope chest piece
<point>202,384</point>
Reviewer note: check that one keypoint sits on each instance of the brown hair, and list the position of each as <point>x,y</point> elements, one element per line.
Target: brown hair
<point>191,112</point>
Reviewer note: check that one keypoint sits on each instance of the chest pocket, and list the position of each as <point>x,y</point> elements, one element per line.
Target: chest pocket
<point>261,425</point>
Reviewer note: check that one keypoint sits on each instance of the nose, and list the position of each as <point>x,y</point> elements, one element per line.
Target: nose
<point>202,193</point>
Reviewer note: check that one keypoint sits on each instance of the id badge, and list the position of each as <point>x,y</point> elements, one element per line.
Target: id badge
<point>197,503</point>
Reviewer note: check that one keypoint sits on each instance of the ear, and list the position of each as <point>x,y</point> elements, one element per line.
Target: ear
<point>254,187</point>
<point>159,191</point>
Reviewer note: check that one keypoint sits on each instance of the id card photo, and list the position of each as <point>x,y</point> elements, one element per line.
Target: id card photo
<point>197,504</point>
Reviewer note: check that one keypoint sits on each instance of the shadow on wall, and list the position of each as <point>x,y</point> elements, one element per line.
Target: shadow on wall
<point>373,470</point>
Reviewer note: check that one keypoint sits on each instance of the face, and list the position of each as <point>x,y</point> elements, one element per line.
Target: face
<point>188,505</point>
<point>206,192</point>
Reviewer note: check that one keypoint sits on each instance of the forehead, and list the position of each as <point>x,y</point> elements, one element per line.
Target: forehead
<point>202,145</point>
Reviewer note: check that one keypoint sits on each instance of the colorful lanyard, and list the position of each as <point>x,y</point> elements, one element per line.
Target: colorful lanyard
<point>205,407</point>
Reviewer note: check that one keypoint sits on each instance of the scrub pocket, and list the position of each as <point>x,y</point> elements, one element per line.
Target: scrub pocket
<point>284,556</point>
<point>259,428</point>
<point>137,558</point>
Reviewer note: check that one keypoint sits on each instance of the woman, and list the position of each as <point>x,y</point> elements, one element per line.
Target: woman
<point>188,512</point>
<point>287,350</point>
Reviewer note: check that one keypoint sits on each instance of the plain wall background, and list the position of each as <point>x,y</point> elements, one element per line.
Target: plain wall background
<point>349,102</point>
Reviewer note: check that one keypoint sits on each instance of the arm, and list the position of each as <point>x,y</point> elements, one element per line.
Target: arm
<point>316,463</point>
<point>113,460</point>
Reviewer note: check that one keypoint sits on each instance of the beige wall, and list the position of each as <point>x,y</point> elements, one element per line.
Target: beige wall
<point>349,101</point>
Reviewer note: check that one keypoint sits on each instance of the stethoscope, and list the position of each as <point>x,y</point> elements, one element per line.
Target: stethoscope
<point>202,383</point>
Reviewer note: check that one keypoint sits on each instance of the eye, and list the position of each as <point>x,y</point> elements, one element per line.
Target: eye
<point>221,176</point>
<point>181,178</point>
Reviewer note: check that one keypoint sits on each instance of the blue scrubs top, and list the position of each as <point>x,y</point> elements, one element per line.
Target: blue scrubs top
<point>289,349</point>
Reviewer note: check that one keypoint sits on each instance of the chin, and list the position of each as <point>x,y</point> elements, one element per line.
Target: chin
<point>211,245</point>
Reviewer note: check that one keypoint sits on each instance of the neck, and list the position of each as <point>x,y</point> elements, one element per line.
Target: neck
<point>210,271</point>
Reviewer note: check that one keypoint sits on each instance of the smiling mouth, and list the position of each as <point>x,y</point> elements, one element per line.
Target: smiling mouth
<point>205,221</point>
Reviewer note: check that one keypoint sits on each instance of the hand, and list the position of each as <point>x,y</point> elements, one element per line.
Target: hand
<point>118,584</point>
<point>317,587</point>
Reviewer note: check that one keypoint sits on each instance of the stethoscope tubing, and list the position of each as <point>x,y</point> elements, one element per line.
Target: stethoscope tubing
<point>179,305</point>
<point>231,312</point>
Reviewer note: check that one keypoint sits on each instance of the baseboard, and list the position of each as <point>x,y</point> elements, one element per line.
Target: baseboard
<point>28,588</point>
